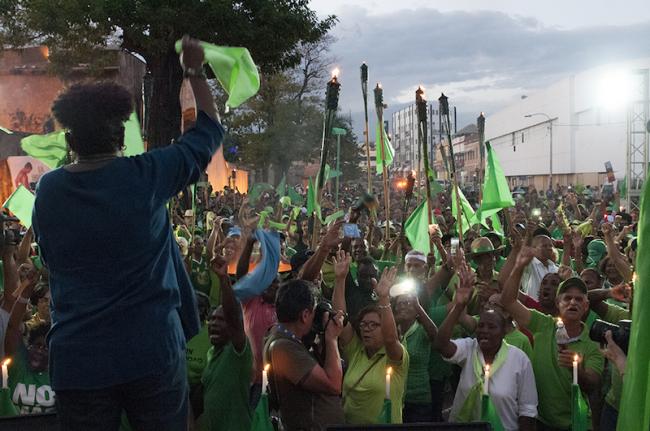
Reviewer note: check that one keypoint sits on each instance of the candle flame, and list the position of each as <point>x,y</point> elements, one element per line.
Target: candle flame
<point>576,358</point>
<point>559,321</point>
<point>267,367</point>
<point>335,73</point>
<point>635,277</point>
<point>6,362</point>
<point>389,371</point>
<point>487,368</point>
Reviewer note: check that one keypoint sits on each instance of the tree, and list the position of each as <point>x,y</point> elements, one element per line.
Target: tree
<point>76,31</point>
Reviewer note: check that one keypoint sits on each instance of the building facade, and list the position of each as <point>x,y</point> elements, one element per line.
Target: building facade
<point>466,156</point>
<point>405,137</point>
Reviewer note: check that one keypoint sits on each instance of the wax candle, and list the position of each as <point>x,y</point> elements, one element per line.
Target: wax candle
<point>5,373</point>
<point>487,379</point>
<point>389,371</point>
<point>575,369</point>
<point>265,378</point>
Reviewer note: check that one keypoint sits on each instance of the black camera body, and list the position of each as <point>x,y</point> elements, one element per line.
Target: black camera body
<point>9,236</point>
<point>620,332</point>
<point>320,323</point>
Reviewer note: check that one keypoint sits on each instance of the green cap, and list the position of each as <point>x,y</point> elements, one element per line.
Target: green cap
<point>572,282</point>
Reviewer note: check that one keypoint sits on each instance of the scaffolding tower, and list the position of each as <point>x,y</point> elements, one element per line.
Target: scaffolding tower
<point>638,125</point>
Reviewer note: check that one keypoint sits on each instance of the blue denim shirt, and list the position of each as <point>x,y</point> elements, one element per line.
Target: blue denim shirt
<point>122,302</point>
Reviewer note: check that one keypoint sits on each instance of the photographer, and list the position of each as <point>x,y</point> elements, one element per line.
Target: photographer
<point>307,393</point>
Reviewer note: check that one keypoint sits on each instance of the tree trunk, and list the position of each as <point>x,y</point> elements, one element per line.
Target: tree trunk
<point>164,110</point>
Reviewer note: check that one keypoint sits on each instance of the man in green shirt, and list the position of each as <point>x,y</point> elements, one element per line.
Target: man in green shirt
<point>227,375</point>
<point>552,363</point>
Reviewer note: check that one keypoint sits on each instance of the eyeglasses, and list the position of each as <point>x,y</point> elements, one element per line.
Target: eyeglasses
<point>371,326</point>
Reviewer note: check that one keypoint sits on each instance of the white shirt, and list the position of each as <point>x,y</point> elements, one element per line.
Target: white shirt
<point>511,388</point>
<point>532,277</point>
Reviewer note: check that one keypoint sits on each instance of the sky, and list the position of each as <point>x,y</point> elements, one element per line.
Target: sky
<point>483,55</point>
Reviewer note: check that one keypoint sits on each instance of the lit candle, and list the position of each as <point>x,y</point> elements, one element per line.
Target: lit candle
<point>575,369</point>
<point>487,379</point>
<point>389,371</point>
<point>5,373</point>
<point>265,378</point>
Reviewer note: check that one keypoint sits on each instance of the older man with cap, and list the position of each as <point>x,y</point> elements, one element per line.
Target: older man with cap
<point>552,356</point>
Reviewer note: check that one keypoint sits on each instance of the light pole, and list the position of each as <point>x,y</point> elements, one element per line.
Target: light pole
<point>550,132</point>
<point>338,132</point>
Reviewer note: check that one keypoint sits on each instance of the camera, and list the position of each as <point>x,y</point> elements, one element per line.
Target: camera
<point>9,236</point>
<point>620,332</point>
<point>320,324</point>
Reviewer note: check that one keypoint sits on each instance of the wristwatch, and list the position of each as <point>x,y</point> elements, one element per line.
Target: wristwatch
<point>193,72</point>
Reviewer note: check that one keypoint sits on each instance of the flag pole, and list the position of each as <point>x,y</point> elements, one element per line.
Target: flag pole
<point>364,91</point>
<point>444,111</point>
<point>480,125</point>
<point>421,105</point>
<point>379,107</point>
<point>332,104</point>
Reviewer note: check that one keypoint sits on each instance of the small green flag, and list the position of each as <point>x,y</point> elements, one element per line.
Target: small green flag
<point>134,145</point>
<point>296,199</point>
<point>21,204</point>
<point>312,200</point>
<point>50,149</point>
<point>416,228</point>
<point>386,414</point>
<point>622,187</point>
<point>261,418</point>
<point>489,414</point>
<point>579,410</point>
<point>330,218</point>
<point>235,70</point>
<point>469,217</point>
<point>635,402</point>
<point>281,190</point>
<point>256,191</point>
<point>389,152</point>
<point>496,192</point>
<point>7,131</point>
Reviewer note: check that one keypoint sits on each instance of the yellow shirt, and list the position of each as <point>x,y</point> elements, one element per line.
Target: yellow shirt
<point>363,403</point>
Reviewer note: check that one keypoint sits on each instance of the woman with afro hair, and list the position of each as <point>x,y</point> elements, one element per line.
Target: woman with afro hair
<point>122,303</point>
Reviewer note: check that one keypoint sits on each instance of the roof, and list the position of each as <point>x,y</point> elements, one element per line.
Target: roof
<point>467,130</point>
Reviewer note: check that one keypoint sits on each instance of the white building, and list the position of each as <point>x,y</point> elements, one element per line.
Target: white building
<point>404,136</point>
<point>585,116</point>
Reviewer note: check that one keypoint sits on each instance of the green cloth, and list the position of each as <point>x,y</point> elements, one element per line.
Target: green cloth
<point>418,390</point>
<point>133,142</point>
<point>234,69</point>
<point>7,407</point>
<point>489,414</point>
<point>312,199</point>
<point>468,215</point>
<point>281,189</point>
<point>386,415</point>
<point>500,262</point>
<point>196,355</point>
<point>554,382</point>
<point>261,418</point>
<point>439,369</point>
<point>21,204</point>
<point>579,410</point>
<point>416,229</point>
<point>32,391</point>
<point>215,290</point>
<point>256,191</point>
<point>496,192</point>
<point>519,340</point>
<point>50,149</point>
<point>388,152</point>
<point>226,382</point>
<point>363,404</point>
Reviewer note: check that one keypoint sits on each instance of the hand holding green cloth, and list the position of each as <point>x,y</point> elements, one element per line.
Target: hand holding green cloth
<point>235,70</point>
<point>50,149</point>
<point>21,204</point>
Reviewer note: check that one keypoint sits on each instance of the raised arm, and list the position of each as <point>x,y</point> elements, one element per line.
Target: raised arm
<point>330,240</point>
<point>192,63</point>
<point>212,239</point>
<point>394,349</point>
<point>232,311</point>
<point>619,259</point>
<point>511,287</point>
<point>341,269</point>
<point>425,321</point>
<point>25,247</point>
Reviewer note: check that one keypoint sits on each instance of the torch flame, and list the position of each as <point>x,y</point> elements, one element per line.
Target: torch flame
<point>335,72</point>
<point>379,85</point>
<point>267,367</point>
<point>389,371</point>
<point>576,358</point>
<point>6,362</point>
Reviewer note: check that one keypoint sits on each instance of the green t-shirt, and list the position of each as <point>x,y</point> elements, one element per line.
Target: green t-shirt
<point>201,275</point>
<point>554,382</point>
<point>196,355</point>
<point>418,390</point>
<point>363,402</point>
<point>31,391</point>
<point>439,369</point>
<point>520,340</point>
<point>226,381</point>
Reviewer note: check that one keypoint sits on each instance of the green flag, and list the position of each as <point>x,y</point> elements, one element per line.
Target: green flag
<point>416,229</point>
<point>281,190</point>
<point>386,414</point>
<point>330,218</point>
<point>235,70</point>
<point>296,199</point>
<point>496,192</point>
<point>579,410</point>
<point>133,142</point>
<point>389,152</point>
<point>312,199</point>
<point>489,414</point>
<point>261,418</point>
<point>7,131</point>
<point>622,187</point>
<point>469,217</point>
<point>433,184</point>
<point>50,149</point>
<point>635,403</point>
<point>256,191</point>
<point>21,204</point>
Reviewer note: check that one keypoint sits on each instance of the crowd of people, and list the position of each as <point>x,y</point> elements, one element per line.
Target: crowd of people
<point>327,321</point>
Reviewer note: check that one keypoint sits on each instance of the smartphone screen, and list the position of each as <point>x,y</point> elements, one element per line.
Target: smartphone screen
<point>454,245</point>
<point>351,230</point>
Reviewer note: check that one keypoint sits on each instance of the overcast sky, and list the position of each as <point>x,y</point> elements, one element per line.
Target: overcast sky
<point>482,54</point>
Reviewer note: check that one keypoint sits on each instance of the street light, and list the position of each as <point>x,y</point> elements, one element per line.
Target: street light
<point>550,132</point>
<point>338,132</point>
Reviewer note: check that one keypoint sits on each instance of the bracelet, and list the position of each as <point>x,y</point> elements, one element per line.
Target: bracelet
<point>384,307</point>
<point>191,72</point>
<point>22,300</point>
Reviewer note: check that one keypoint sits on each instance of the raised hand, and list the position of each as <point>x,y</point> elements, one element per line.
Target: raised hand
<point>219,265</point>
<point>342,264</point>
<point>465,286</point>
<point>192,55</point>
<point>525,256</point>
<point>387,280</point>
<point>621,292</point>
<point>332,238</point>
<point>607,229</point>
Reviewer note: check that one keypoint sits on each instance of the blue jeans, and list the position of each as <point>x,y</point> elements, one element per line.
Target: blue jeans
<point>153,403</point>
